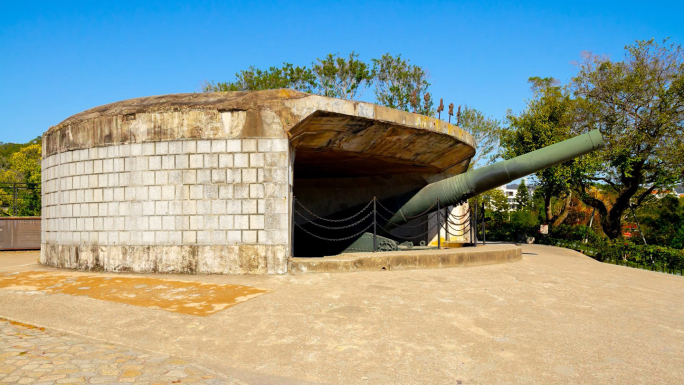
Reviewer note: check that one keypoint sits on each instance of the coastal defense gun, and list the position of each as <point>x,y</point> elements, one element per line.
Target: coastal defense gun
<point>457,189</point>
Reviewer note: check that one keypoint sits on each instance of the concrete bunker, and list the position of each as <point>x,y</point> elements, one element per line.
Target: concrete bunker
<point>204,183</point>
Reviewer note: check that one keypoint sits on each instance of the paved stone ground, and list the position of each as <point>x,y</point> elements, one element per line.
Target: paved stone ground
<point>30,355</point>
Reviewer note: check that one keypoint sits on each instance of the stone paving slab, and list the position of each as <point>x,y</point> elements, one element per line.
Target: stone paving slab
<point>32,355</point>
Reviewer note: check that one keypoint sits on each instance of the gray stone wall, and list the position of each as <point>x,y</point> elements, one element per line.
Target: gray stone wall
<point>206,206</point>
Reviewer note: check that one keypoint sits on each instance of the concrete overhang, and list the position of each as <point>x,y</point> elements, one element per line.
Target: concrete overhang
<point>331,137</point>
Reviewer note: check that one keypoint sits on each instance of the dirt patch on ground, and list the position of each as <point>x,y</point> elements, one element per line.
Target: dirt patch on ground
<point>195,298</point>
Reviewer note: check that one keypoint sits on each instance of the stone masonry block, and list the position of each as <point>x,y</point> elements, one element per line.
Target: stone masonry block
<point>162,148</point>
<point>249,175</point>
<point>233,145</point>
<point>233,237</point>
<point>249,236</point>
<point>161,208</point>
<point>169,223</point>
<point>249,206</point>
<point>226,222</point>
<point>203,176</point>
<point>211,161</point>
<point>168,193</point>
<point>189,237</point>
<point>211,222</point>
<point>161,177</point>
<point>196,161</point>
<point>241,222</point>
<point>148,148</point>
<point>189,177</point>
<point>196,222</point>
<point>241,160</point>
<point>190,147</point>
<point>256,191</point>
<point>211,191</point>
<point>218,207</point>
<point>203,207</point>
<point>154,163</point>
<point>241,191</point>
<point>256,160</point>
<point>155,193</point>
<point>175,147</point>
<point>280,145</point>
<point>155,223</point>
<point>233,207</point>
<point>204,237</point>
<point>264,145</point>
<point>168,162</point>
<point>218,176</point>
<point>226,191</point>
<point>203,146</point>
<point>249,145</point>
<point>182,161</point>
<point>256,222</point>
<point>218,146</point>
<point>225,160</point>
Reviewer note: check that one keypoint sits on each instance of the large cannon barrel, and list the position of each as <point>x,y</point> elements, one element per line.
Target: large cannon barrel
<point>457,189</point>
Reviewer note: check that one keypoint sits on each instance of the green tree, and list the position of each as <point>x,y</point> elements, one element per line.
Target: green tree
<point>254,79</point>
<point>342,78</point>
<point>638,104</point>
<point>24,167</point>
<point>486,131</point>
<point>662,220</point>
<point>546,120</point>
<point>397,82</point>
<point>522,196</point>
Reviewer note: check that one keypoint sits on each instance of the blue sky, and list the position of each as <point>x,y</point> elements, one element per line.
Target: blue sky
<point>62,57</point>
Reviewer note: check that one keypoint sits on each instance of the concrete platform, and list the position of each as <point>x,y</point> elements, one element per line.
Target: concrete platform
<point>408,259</point>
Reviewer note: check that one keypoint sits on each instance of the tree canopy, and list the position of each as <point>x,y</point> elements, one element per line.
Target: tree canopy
<point>638,104</point>
<point>546,120</point>
<point>397,83</point>
<point>522,196</point>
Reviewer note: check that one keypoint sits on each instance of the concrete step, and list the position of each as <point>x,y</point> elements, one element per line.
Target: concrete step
<point>408,259</point>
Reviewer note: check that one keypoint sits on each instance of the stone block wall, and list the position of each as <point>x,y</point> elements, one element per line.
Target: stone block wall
<point>188,206</point>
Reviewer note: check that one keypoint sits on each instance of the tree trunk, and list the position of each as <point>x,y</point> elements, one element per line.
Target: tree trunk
<point>565,212</point>
<point>547,207</point>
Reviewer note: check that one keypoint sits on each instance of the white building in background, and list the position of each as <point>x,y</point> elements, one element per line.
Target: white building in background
<point>510,190</point>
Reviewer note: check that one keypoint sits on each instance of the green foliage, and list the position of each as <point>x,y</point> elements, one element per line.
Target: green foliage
<point>662,221</point>
<point>23,168</point>
<point>678,239</point>
<point>401,85</point>
<point>7,149</point>
<point>522,196</point>
<point>342,78</point>
<point>485,130</point>
<point>546,120</point>
<point>638,104</point>
<point>627,253</point>
<point>398,84</point>
<point>254,79</point>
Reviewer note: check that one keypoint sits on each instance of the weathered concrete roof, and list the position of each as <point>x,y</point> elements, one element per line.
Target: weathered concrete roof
<point>321,129</point>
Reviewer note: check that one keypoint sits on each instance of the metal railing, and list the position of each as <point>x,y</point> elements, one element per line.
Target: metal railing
<point>20,199</point>
<point>374,215</point>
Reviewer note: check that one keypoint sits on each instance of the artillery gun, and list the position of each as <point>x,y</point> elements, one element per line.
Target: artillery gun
<point>458,189</point>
